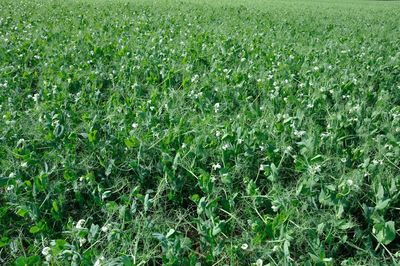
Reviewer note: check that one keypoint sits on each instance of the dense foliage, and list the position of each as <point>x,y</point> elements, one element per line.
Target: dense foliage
<point>217,133</point>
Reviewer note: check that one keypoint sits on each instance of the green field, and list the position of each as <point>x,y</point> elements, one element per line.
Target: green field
<point>199,132</point>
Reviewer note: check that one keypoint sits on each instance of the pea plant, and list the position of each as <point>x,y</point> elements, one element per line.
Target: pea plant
<point>186,132</point>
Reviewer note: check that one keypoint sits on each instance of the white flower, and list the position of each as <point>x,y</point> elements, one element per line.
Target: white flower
<point>184,145</point>
<point>10,187</point>
<point>315,169</point>
<point>216,107</point>
<point>134,125</point>
<point>99,261</point>
<point>217,133</point>
<point>82,241</point>
<point>104,228</point>
<point>244,246</point>
<point>24,164</point>
<point>343,160</point>
<point>274,208</point>
<point>262,167</point>
<point>20,141</point>
<point>299,133</point>
<point>325,134</point>
<point>195,78</point>
<point>240,141</point>
<point>288,149</point>
<point>350,182</point>
<point>216,166</point>
<point>35,97</point>
<point>225,146</point>
<point>80,223</point>
<point>11,175</point>
<point>259,262</point>
<point>46,251</point>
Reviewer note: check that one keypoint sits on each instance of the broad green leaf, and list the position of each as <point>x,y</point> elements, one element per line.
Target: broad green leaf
<point>22,212</point>
<point>4,241</point>
<point>380,205</point>
<point>34,229</point>
<point>385,233</point>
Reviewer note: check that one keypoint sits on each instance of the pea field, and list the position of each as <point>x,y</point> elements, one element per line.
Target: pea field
<point>199,133</point>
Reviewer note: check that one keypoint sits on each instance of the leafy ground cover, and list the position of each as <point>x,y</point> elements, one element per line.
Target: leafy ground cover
<point>199,132</point>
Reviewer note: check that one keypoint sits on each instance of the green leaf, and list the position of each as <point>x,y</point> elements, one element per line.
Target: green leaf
<point>22,212</point>
<point>132,142</point>
<point>126,261</point>
<point>69,175</point>
<point>34,229</point>
<point>384,232</point>
<point>380,193</point>
<point>380,205</point>
<point>94,229</point>
<point>92,136</point>
<point>216,230</point>
<point>4,181</point>
<point>4,241</point>
<point>133,206</point>
<point>346,225</point>
<point>286,246</point>
<point>55,206</point>
<point>147,202</point>
<point>28,261</point>
<point>61,243</point>
<point>109,169</point>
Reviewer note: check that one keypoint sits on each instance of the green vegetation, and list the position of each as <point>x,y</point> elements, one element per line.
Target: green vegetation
<point>199,132</point>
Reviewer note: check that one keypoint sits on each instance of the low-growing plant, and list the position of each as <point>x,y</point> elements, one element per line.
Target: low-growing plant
<point>199,132</point>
